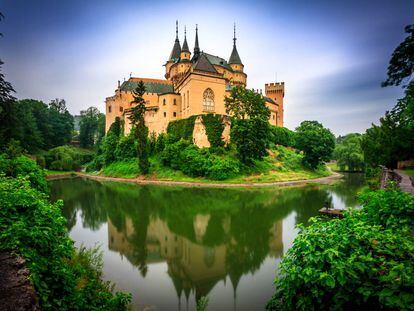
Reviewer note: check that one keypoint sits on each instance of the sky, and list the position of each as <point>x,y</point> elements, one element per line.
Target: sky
<point>332,55</point>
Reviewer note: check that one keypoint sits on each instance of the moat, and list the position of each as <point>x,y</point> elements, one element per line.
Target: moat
<point>169,246</point>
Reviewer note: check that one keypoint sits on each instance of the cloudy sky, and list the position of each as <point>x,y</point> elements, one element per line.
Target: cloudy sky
<point>332,55</point>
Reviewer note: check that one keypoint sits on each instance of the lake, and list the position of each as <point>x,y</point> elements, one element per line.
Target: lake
<point>169,246</point>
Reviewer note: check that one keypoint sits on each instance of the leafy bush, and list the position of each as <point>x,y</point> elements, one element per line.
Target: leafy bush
<point>126,148</point>
<point>67,158</point>
<point>364,261</point>
<point>23,166</point>
<point>109,144</point>
<point>171,156</point>
<point>282,136</point>
<point>223,168</point>
<point>194,162</point>
<point>291,160</point>
<point>64,278</point>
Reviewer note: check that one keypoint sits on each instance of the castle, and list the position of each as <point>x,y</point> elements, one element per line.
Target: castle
<point>194,84</point>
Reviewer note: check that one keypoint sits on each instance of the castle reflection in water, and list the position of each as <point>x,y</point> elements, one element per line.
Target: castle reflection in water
<point>193,266</point>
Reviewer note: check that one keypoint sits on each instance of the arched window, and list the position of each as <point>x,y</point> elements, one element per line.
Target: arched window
<point>175,101</point>
<point>163,102</point>
<point>208,100</point>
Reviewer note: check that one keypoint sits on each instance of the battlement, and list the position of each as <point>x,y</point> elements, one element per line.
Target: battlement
<point>277,87</point>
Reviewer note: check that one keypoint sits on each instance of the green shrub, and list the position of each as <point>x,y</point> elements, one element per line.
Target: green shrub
<point>67,158</point>
<point>96,164</point>
<point>24,166</point>
<point>40,160</point>
<point>223,168</point>
<point>109,144</point>
<point>362,262</point>
<point>214,129</point>
<point>194,161</point>
<point>160,143</point>
<point>282,136</point>
<point>64,278</point>
<point>171,156</point>
<point>292,161</point>
<point>126,148</point>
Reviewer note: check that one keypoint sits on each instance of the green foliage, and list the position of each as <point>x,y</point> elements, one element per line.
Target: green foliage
<point>23,166</point>
<point>251,138</point>
<point>160,143</point>
<point>89,124</point>
<point>348,153</point>
<point>244,103</point>
<point>221,168</point>
<point>393,139</point>
<point>197,162</point>
<point>116,127</point>
<point>202,304</point>
<point>64,278</point>
<point>126,147</point>
<point>126,169</point>
<point>282,136</point>
<point>401,66</point>
<point>214,129</point>
<point>109,145</point>
<point>316,142</point>
<point>182,129</point>
<point>137,116</point>
<point>364,261</point>
<point>67,158</point>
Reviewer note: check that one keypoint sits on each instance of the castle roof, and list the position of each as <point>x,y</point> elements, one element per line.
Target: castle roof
<point>176,50</point>
<point>185,44</point>
<point>204,64</point>
<point>157,86</point>
<point>269,100</point>
<point>234,57</point>
<point>218,61</point>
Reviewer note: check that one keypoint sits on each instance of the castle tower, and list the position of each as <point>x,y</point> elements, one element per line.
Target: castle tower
<point>234,60</point>
<point>276,91</point>
<point>185,51</point>
<point>175,52</point>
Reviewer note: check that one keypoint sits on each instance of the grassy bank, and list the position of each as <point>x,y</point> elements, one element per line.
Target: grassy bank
<point>282,164</point>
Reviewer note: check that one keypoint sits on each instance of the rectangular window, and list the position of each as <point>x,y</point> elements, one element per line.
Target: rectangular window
<point>165,114</point>
<point>121,109</point>
<point>174,114</point>
<point>109,108</point>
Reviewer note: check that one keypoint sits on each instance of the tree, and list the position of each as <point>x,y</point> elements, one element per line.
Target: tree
<point>137,116</point>
<point>7,117</point>
<point>348,153</point>
<point>61,122</point>
<point>316,142</point>
<point>250,129</point>
<point>89,126</point>
<point>246,104</point>
<point>401,66</point>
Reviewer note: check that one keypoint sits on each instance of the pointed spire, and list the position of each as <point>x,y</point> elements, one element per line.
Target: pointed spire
<point>176,51</point>
<point>234,57</point>
<point>196,46</point>
<point>185,44</point>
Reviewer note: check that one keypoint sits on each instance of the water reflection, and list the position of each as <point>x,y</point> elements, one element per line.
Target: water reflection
<point>206,238</point>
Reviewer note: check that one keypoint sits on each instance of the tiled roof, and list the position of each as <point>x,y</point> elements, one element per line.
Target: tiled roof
<point>151,85</point>
<point>234,57</point>
<point>268,99</point>
<point>204,64</point>
<point>218,61</point>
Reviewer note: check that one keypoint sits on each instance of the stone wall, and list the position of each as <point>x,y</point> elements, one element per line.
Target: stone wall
<point>405,164</point>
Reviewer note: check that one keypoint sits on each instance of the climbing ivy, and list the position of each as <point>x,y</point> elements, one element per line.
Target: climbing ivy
<point>182,128</point>
<point>214,128</point>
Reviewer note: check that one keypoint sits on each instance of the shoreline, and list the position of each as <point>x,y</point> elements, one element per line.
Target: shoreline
<point>301,182</point>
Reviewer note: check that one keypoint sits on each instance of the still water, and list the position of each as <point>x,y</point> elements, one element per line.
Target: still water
<point>169,246</point>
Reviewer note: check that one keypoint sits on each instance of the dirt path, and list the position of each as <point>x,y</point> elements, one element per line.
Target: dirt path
<point>405,185</point>
<point>322,180</point>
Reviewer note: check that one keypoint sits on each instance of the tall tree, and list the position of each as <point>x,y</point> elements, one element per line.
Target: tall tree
<point>401,66</point>
<point>89,126</point>
<point>7,116</point>
<point>61,122</point>
<point>316,142</point>
<point>137,116</point>
<point>348,153</point>
<point>250,130</point>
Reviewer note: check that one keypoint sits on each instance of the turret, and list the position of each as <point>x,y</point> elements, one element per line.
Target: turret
<point>176,50</point>
<point>196,54</point>
<point>234,60</point>
<point>185,51</point>
<point>276,91</point>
